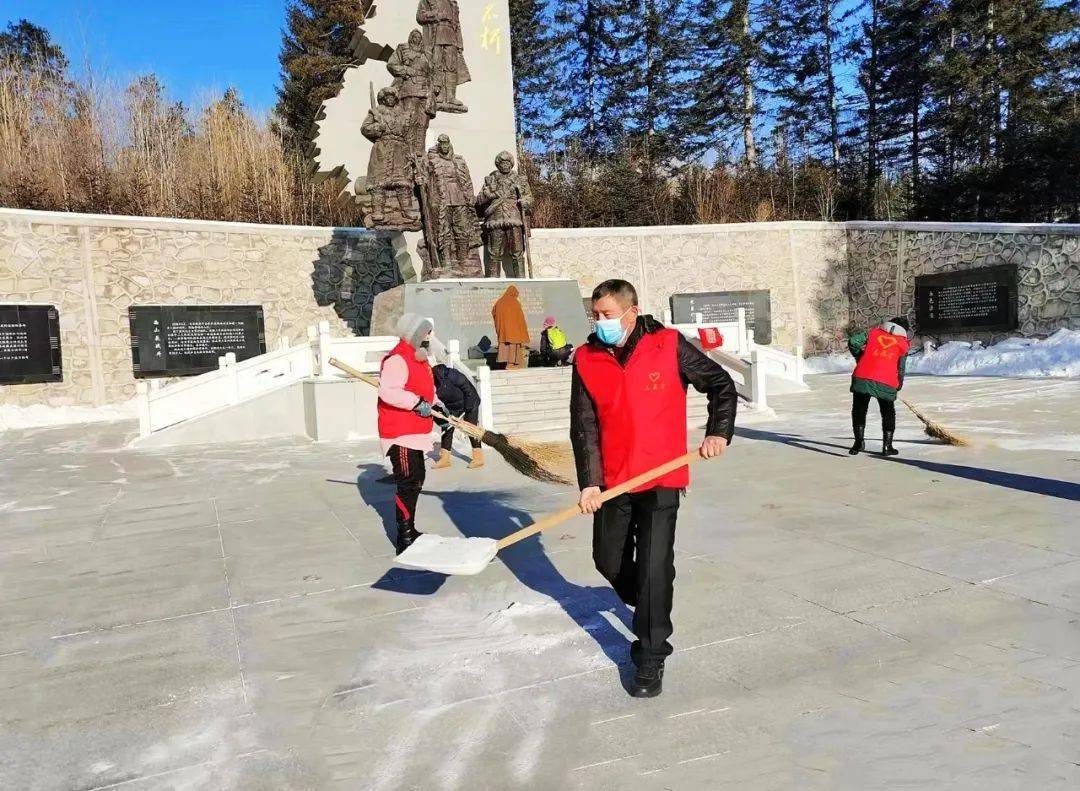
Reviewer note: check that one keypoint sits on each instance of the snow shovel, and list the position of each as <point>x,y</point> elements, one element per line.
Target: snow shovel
<point>468,556</point>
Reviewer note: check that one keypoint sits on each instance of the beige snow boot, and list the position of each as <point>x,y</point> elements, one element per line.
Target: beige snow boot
<point>444,460</point>
<point>477,459</point>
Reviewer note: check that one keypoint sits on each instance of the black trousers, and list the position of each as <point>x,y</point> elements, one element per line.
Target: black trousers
<point>472,416</point>
<point>409,474</point>
<point>634,548</point>
<point>861,403</point>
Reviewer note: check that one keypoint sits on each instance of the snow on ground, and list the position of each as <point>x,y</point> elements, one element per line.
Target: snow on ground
<point>40,415</point>
<point>1058,355</point>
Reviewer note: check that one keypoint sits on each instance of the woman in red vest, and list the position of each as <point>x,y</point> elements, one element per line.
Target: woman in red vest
<point>879,373</point>
<point>627,416</point>
<point>406,396</point>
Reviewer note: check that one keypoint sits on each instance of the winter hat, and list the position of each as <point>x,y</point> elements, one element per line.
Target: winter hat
<point>549,322</point>
<point>413,328</point>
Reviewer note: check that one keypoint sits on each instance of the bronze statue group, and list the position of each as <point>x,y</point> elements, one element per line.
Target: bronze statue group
<point>409,189</point>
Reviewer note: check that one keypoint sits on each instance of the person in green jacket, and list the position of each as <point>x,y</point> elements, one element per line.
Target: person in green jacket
<point>881,355</point>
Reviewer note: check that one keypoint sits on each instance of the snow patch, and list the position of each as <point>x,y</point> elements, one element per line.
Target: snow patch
<point>42,416</point>
<point>1056,356</point>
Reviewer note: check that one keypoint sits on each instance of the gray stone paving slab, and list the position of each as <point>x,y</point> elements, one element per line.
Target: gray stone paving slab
<point>226,617</point>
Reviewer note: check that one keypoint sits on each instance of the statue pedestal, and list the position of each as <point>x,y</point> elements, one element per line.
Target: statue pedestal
<point>461,309</point>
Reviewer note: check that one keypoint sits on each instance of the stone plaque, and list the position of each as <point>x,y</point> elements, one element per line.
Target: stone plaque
<point>29,344</point>
<point>723,306</point>
<point>976,299</point>
<point>187,340</point>
<point>461,309</point>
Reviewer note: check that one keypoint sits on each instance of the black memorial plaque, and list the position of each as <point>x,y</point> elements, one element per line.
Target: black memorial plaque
<point>29,344</point>
<point>977,299</point>
<point>723,306</point>
<point>182,340</point>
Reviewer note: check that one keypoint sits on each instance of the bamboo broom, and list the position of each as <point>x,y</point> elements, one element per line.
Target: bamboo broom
<point>936,430</point>
<point>541,461</point>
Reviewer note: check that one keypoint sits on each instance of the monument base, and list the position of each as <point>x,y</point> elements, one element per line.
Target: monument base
<point>461,309</point>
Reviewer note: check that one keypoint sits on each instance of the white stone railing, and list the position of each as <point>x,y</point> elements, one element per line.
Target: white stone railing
<point>162,406</point>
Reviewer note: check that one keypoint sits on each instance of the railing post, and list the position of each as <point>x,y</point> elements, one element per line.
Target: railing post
<point>487,409</point>
<point>233,374</point>
<point>757,381</point>
<point>453,353</point>
<point>800,366</point>
<point>143,390</point>
<point>322,344</point>
<point>668,320</point>
<point>699,318</point>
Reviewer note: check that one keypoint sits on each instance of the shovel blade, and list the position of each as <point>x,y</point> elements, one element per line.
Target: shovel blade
<point>457,556</point>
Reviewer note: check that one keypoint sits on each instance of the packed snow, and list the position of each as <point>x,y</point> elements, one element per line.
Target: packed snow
<point>1057,356</point>
<point>40,415</point>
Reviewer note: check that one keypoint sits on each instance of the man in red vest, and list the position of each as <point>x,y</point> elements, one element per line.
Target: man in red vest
<point>879,373</point>
<point>627,416</point>
<point>406,396</point>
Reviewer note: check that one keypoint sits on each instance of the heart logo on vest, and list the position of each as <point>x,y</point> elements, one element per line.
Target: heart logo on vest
<point>887,341</point>
<point>654,385</point>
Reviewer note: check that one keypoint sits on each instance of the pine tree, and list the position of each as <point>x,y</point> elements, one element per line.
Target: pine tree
<point>583,59</point>
<point>534,66</point>
<point>805,43</point>
<point>314,55</point>
<point>722,80</point>
<point>26,45</point>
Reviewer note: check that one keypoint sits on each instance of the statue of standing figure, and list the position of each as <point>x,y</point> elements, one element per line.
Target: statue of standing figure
<point>441,21</point>
<point>414,79</point>
<point>390,172</point>
<point>454,210</point>
<point>506,203</point>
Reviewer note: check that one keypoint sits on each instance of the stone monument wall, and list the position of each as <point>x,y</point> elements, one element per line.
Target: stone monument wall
<point>885,258</point>
<point>802,264</point>
<point>94,267</point>
<point>821,276</point>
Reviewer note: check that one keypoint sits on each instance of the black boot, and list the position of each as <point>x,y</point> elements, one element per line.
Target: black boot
<point>406,536</point>
<point>887,448</point>
<point>860,443</point>
<point>649,679</point>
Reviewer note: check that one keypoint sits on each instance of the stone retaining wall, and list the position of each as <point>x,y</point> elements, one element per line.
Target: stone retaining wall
<point>822,276</point>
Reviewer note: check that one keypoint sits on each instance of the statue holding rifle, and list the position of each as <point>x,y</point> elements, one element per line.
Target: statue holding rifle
<point>456,227</point>
<point>506,203</point>
<point>391,203</point>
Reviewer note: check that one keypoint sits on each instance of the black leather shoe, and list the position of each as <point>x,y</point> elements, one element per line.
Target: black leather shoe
<point>406,537</point>
<point>649,680</point>
<point>887,448</point>
<point>860,444</point>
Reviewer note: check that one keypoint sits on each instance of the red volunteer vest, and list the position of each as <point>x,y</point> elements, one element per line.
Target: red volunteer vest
<point>880,360</point>
<point>641,409</point>
<point>395,422</point>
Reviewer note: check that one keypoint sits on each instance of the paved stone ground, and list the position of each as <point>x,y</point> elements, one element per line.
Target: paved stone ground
<point>224,618</point>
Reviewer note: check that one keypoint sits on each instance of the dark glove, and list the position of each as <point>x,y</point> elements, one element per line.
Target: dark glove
<point>423,408</point>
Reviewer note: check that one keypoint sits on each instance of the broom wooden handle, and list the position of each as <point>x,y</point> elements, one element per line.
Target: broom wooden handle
<point>610,494</point>
<point>374,382</point>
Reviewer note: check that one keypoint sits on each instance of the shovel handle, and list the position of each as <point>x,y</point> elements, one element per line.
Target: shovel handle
<point>374,382</point>
<point>610,494</point>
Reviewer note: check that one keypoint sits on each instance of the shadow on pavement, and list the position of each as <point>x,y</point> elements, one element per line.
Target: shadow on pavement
<point>795,441</point>
<point>1051,487</point>
<point>487,514</point>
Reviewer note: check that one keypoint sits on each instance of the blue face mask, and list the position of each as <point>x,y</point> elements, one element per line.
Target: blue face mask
<point>610,331</point>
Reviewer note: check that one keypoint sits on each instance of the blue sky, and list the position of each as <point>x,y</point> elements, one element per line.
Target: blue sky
<point>194,46</point>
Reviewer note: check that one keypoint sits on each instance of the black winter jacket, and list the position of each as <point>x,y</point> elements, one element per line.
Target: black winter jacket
<point>455,390</point>
<point>697,369</point>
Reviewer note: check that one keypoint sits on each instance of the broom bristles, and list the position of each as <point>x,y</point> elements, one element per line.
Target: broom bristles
<point>936,430</point>
<point>536,460</point>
